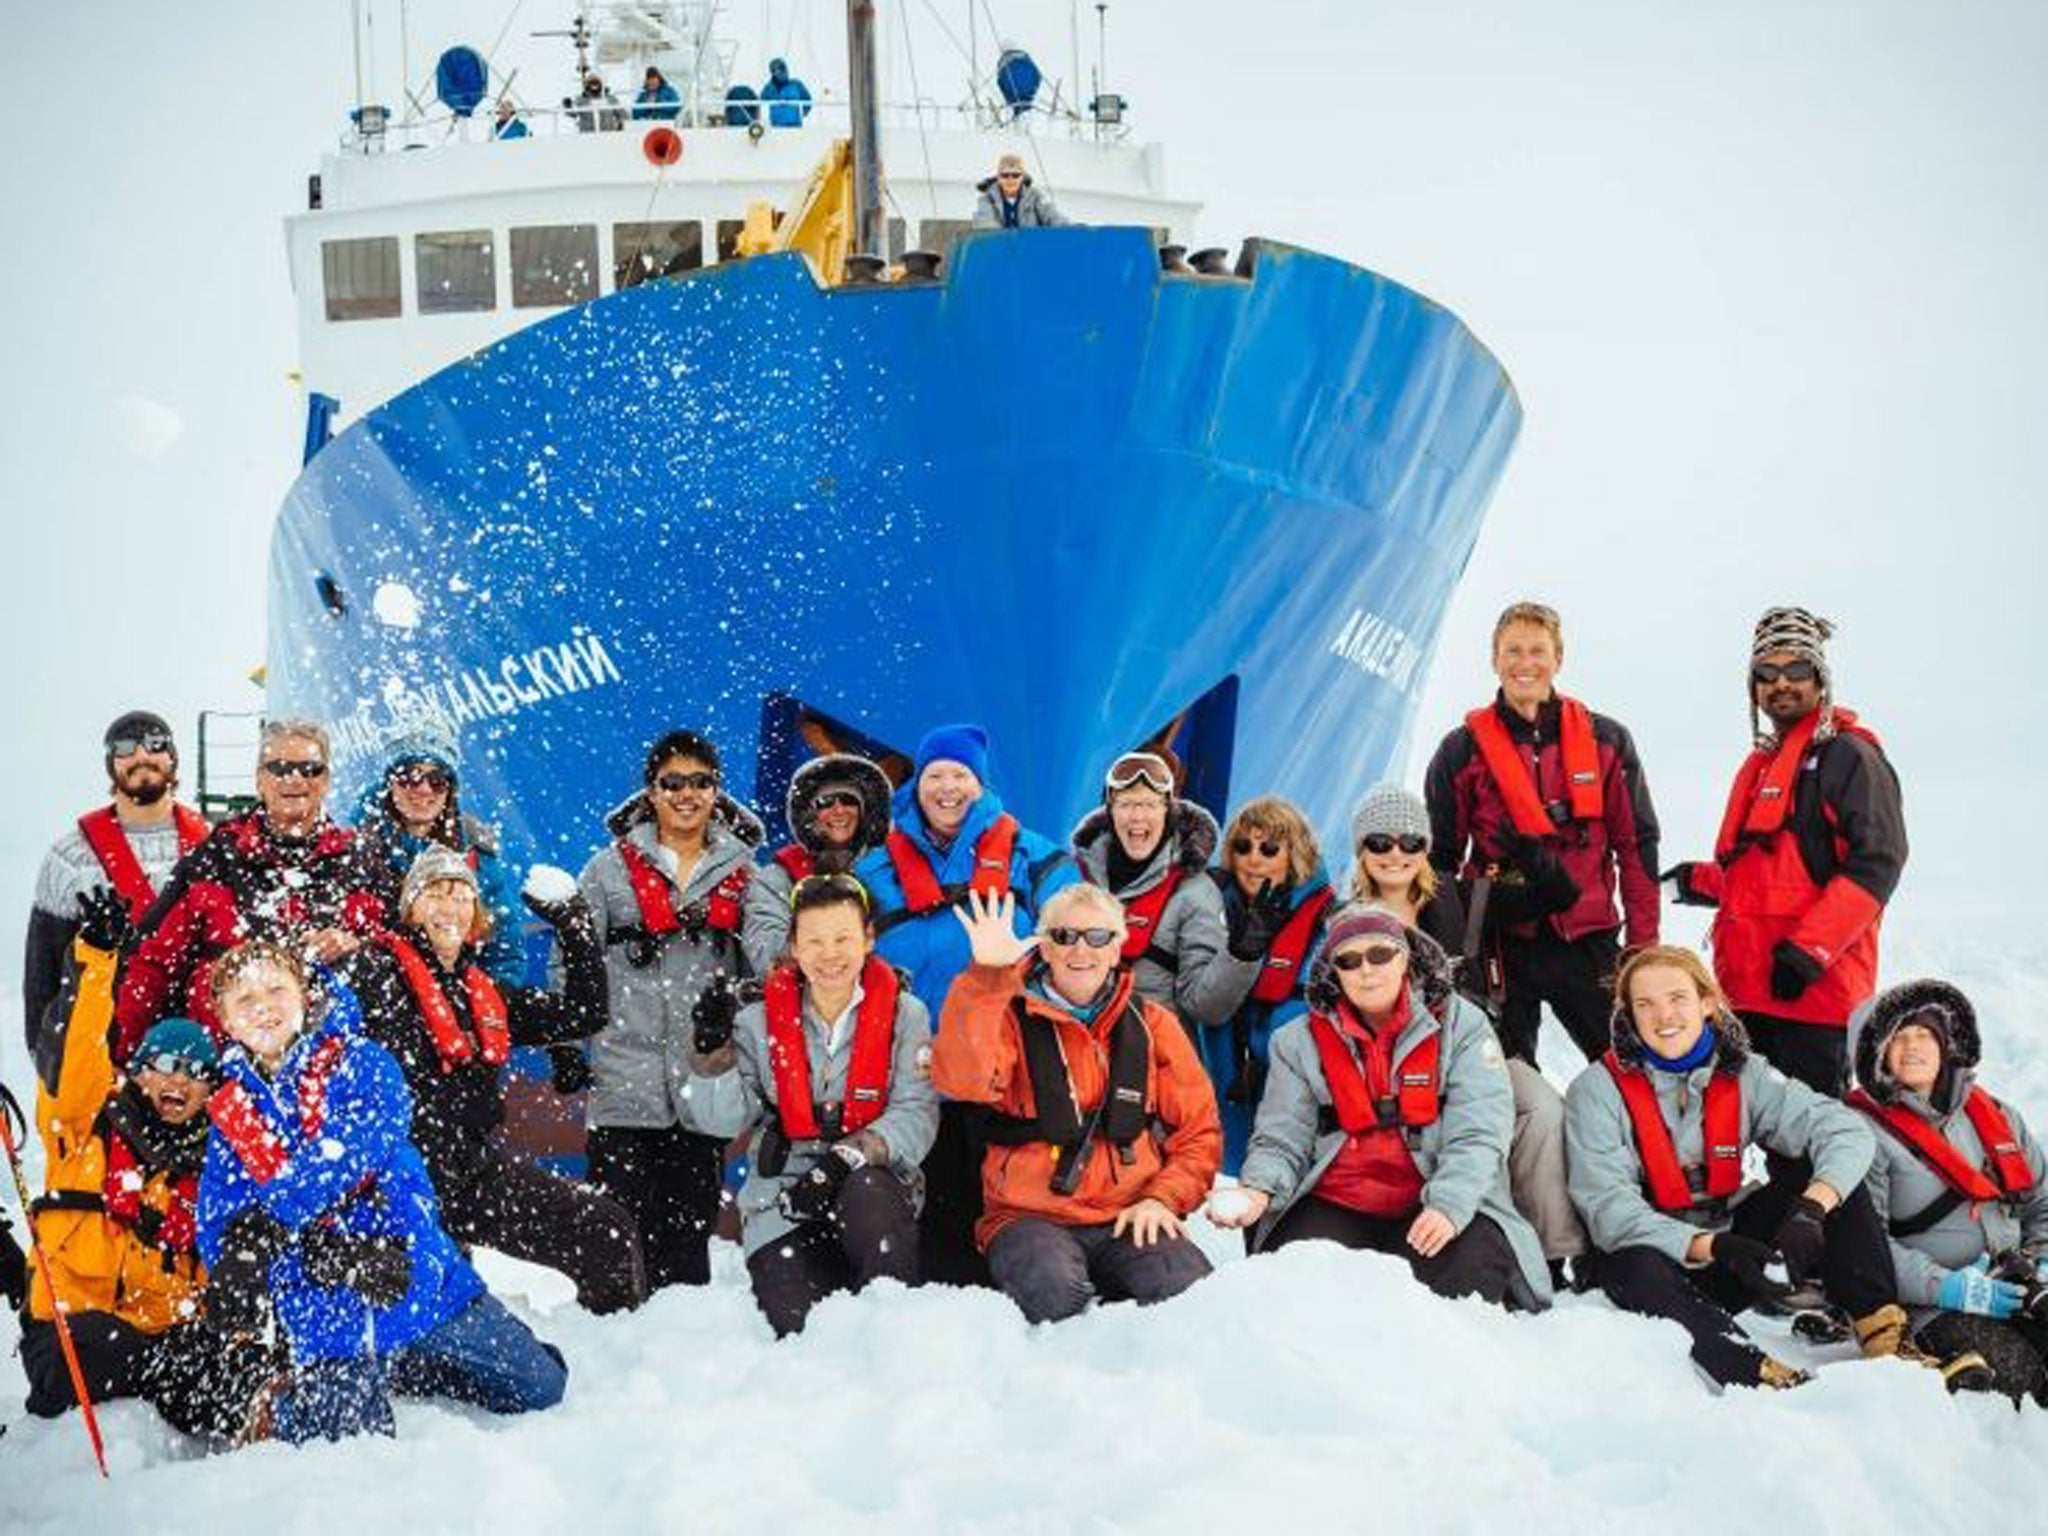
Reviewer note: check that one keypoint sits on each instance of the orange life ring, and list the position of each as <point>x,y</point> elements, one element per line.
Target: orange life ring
<point>662,146</point>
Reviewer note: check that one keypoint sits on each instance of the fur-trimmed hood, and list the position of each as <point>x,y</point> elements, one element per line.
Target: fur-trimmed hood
<point>864,778</point>
<point>1191,840</point>
<point>1731,1040</point>
<point>725,811</point>
<point>1430,976</point>
<point>1872,1026</point>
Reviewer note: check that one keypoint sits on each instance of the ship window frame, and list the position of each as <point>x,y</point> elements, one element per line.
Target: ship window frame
<point>687,259</point>
<point>428,294</point>
<point>373,301</point>
<point>543,291</point>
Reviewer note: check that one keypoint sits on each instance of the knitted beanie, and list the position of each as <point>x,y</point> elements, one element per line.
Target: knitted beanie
<point>1390,809</point>
<point>1804,634</point>
<point>434,863</point>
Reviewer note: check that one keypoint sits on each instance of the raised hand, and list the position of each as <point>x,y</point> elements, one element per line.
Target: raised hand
<point>990,923</point>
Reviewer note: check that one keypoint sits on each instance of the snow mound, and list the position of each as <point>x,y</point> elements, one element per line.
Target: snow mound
<point>544,882</point>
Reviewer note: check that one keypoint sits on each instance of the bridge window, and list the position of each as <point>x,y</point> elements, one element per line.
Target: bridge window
<point>361,278</point>
<point>644,251</point>
<point>554,264</point>
<point>455,271</point>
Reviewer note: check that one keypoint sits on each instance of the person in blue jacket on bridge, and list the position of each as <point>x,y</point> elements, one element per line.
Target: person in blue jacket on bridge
<point>789,97</point>
<point>951,835</point>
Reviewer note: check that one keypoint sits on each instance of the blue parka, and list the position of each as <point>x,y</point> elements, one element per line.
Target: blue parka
<point>790,97</point>
<point>358,1171</point>
<point>933,948</point>
<point>1254,1020</point>
<point>661,103</point>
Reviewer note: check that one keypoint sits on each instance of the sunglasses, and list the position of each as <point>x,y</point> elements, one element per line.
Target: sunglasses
<point>149,741</point>
<point>1386,842</point>
<point>837,885</point>
<point>833,799</point>
<point>1375,956</point>
<point>1140,768</point>
<point>171,1063</point>
<point>1009,175</point>
<point>1792,671</point>
<point>286,768</point>
<point>1094,938</point>
<point>1268,849</point>
<point>422,778</point>
<point>674,783</point>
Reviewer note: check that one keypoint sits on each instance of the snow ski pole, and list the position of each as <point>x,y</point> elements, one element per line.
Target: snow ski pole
<point>13,1127</point>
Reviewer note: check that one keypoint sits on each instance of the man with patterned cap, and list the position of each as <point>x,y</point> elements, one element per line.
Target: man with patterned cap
<point>1811,847</point>
<point>128,845</point>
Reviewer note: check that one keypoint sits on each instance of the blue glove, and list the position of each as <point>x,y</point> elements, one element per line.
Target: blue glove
<point>1974,1291</point>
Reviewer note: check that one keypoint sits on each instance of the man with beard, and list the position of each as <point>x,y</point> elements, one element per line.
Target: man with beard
<point>129,845</point>
<point>283,871</point>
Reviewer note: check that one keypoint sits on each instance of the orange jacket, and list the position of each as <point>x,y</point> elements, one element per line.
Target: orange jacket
<point>978,1058</point>
<point>100,1264</point>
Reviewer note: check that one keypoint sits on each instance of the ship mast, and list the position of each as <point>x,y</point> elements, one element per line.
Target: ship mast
<point>867,137</point>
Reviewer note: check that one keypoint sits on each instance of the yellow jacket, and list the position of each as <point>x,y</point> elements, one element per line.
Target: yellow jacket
<point>100,1265</point>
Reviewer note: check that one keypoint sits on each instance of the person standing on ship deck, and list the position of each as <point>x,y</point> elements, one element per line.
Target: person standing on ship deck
<point>1010,200</point>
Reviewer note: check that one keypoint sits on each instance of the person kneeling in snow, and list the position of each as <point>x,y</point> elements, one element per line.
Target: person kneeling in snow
<point>1386,1121</point>
<point>829,1065</point>
<point>1964,1187</point>
<point>1104,1134</point>
<point>1655,1133</point>
<point>313,1199</point>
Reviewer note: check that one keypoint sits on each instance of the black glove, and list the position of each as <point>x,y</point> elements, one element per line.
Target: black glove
<point>1793,970</point>
<point>1750,1262</point>
<point>238,1284</point>
<point>1254,923</point>
<point>376,1268</point>
<point>711,1018</point>
<point>1550,885</point>
<point>1683,886</point>
<point>815,1192</point>
<point>13,1267</point>
<point>103,919</point>
<point>570,910</point>
<point>568,1069</point>
<point>1802,1237</point>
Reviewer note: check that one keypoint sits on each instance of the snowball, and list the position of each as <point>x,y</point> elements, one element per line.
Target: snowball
<point>396,604</point>
<point>544,882</point>
<point>1229,1205</point>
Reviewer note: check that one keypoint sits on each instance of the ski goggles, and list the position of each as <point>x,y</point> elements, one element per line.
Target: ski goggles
<point>1139,768</point>
<point>1268,848</point>
<point>148,741</point>
<point>1094,938</point>
<point>1374,955</point>
<point>675,783</point>
<point>1387,842</point>
<point>287,768</point>
<point>816,888</point>
<point>172,1063</point>
<point>422,776</point>
<point>1765,672</point>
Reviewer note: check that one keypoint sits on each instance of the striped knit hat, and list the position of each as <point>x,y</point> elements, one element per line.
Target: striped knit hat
<point>1803,633</point>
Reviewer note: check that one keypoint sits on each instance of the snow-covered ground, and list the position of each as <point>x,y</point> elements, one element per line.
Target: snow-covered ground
<point>1312,1388</point>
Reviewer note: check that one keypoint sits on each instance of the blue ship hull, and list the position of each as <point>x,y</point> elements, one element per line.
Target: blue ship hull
<point>1058,493</point>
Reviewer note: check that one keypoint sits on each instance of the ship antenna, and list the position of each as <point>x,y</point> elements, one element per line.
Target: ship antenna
<point>355,34</point>
<point>867,137</point>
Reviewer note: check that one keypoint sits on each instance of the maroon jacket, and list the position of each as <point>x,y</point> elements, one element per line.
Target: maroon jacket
<point>1469,821</point>
<point>243,882</point>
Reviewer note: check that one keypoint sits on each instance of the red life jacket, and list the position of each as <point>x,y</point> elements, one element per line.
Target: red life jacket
<point>1141,913</point>
<point>797,861</point>
<point>103,835</point>
<point>250,1136</point>
<point>121,1197</point>
<point>455,1047</point>
<point>1761,797</point>
<point>1517,783</point>
<point>651,890</point>
<point>922,892</point>
<point>1720,1137</point>
<point>1418,1087</point>
<point>1282,968</point>
<point>2009,1174</point>
<point>867,1073</point>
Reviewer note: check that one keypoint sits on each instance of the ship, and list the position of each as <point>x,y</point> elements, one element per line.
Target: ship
<point>639,422</point>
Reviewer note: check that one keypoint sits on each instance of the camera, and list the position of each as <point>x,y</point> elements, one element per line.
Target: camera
<point>2022,1270</point>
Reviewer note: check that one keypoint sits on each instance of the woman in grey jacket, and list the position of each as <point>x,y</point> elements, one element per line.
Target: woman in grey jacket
<point>1386,1119</point>
<point>667,895</point>
<point>1962,1185</point>
<point>829,1069</point>
<point>1655,1133</point>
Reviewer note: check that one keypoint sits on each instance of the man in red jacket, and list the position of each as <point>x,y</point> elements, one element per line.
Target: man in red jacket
<point>1532,770</point>
<point>1811,847</point>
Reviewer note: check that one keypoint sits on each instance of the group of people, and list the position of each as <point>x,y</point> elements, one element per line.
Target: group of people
<point>946,1048</point>
<point>596,109</point>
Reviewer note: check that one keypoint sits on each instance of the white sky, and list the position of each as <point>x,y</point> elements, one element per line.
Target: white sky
<point>1769,279</point>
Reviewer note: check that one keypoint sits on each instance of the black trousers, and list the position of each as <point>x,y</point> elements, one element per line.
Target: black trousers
<point>199,1380</point>
<point>670,1181</point>
<point>1052,1270</point>
<point>1477,1262</point>
<point>870,1235</point>
<point>1574,977</point>
<point>522,1210</point>
<point>1856,1270</point>
<point>1814,1054</point>
<point>2015,1349</point>
<point>946,1253</point>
